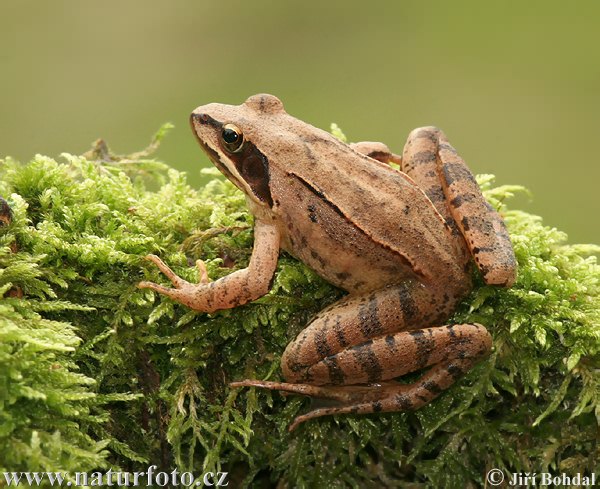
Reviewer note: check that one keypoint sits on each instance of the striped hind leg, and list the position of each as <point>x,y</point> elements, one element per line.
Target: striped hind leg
<point>449,351</point>
<point>430,160</point>
<point>350,351</point>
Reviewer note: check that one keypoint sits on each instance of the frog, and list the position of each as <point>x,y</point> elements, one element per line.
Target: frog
<point>398,233</point>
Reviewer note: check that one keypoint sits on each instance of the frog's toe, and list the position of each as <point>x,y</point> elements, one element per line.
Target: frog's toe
<point>337,408</point>
<point>266,384</point>
<point>202,272</point>
<point>164,268</point>
<point>161,289</point>
<point>316,413</point>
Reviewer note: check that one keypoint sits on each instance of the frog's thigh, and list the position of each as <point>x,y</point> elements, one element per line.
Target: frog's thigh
<point>437,168</point>
<point>354,320</point>
<point>394,355</point>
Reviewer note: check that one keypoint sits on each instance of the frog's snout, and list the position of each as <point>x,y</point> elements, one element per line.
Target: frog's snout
<point>204,119</point>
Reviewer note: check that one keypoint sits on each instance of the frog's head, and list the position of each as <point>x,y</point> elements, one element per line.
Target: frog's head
<point>230,135</point>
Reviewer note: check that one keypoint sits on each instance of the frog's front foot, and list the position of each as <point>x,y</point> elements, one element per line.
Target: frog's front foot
<point>177,281</point>
<point>195,296</point>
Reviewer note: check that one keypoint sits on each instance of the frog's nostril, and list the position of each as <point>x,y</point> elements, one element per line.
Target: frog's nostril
<point>202,118</point>
<point>199,117</point>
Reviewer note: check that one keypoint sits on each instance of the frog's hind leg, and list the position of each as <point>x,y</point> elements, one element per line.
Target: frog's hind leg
<point>351,350</point>
<point>437,168</point>
<point>449,351</point>
<point>394,397</point>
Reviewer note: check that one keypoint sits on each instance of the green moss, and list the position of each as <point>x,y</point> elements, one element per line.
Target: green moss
<point>96,373</point>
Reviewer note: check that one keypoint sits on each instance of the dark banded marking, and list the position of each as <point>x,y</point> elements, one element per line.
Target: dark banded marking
<point>424,344</point>
<point>456,172</point>
<point>368,361</point>
<point>455,371</point>
<point>407,302</point>
<point>432,387</point>
<point>459,200</point>
<point>318,257</point>
<point>342,275</point>
<point>477,224</point>
<point>465,223</point>
<point>295,366</point>
<point>336,374</point>
<point>338,329</point>
<point>377,406</point>
<point>451,331</point>
<point>368,321</point>
<point>321,343</point>
<point>312,213</point>
<point>423,157</point>
<point>390,342</point>
<point>403,402</point>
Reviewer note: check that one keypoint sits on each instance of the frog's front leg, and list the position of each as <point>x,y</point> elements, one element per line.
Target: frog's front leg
<point>349,352</point>
<point>233,290</point>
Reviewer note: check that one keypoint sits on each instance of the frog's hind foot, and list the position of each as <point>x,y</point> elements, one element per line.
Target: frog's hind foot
<point>334,393</point>
<point>388,396</point>
<point>395,397</point>
<point>326,399</point>
<point>447,352</point>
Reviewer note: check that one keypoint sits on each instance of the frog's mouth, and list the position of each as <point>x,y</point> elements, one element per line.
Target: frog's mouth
<point>216,160</point>
<point>214,155</point>
<point>248,170</point>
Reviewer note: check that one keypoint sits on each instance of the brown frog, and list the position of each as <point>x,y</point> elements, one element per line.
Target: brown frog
<point>400,242</point>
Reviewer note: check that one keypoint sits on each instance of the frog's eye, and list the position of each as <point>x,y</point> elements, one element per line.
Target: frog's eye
<point>233,139</point>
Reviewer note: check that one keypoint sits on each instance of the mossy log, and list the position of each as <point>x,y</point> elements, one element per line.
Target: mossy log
<point>95,373</point>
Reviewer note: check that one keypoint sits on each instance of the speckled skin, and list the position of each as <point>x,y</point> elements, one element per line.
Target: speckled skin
<point>400,243</point>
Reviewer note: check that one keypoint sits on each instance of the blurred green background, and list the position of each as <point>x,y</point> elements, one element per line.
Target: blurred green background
<point>515,85</point>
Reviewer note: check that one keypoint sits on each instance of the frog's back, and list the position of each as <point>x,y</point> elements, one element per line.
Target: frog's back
<point>361,224</point>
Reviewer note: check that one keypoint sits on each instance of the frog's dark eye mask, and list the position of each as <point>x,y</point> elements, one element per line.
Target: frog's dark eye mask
<point>240,160</point>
